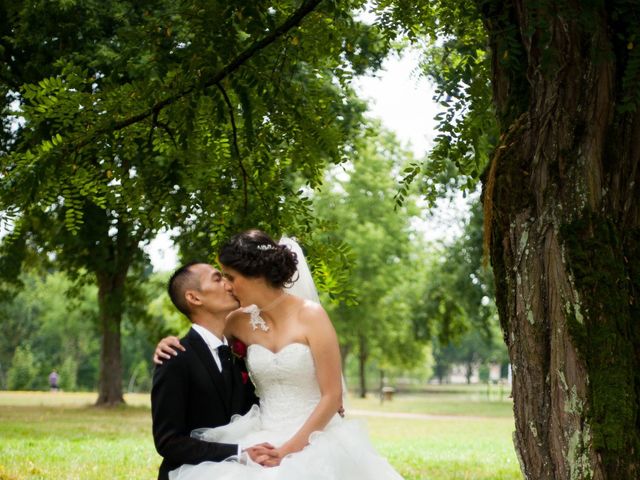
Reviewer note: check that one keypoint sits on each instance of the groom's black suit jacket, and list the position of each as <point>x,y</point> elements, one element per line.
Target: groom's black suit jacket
<point>189,392</point>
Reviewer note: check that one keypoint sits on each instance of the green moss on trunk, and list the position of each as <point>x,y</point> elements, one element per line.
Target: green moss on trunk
<point>604,336</point>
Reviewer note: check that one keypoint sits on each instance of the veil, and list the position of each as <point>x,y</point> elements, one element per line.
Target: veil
<point>303,286</point>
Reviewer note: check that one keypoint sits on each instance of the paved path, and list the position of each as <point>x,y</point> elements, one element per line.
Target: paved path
<point>415,416</point>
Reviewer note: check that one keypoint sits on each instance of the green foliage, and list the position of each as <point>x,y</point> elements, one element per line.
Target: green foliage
<point>135,116</point>
<point>402,377</point>
<point>384,257</point>
<point>455,45</point>
<point>332,261</point>
<point>472,349</point>
<point>53,322</point>
<point>458,309</point>
<point>24,372</point>
<point>69,374</point>
<point>174,133</point>
<point>459,291</point>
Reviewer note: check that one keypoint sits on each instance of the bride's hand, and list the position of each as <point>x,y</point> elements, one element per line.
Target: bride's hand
<point>166,348</point>
<point>276,456</point>
<point>260,453</point>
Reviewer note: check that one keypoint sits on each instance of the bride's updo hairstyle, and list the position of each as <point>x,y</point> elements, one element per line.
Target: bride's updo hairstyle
<point>254,254</point>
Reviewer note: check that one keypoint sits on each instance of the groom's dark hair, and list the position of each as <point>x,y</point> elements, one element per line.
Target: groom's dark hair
<point>183,279</point>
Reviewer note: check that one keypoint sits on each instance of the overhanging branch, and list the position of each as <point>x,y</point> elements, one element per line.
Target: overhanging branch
<point>294,19</point>
<point>236,149</point>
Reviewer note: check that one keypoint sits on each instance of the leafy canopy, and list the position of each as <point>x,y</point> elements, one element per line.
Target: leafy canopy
<point>207,116</point>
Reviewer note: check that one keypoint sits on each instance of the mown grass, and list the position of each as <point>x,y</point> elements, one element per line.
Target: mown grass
<point>444,401</point>
<point>61,436</point>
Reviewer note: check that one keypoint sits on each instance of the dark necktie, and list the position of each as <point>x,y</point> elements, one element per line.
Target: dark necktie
<point>224,354</point>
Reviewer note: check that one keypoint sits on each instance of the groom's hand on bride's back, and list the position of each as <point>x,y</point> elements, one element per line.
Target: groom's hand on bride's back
<point>167,347</point>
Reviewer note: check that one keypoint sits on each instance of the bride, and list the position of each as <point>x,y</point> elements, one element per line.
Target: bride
<point>293,359</point>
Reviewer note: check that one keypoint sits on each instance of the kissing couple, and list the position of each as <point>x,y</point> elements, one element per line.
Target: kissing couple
<point>278,419</point>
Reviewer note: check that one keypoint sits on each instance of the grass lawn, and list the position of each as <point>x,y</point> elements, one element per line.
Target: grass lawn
<point>60,436</point>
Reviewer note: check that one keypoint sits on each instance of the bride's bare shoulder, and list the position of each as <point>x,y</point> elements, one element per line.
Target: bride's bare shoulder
<point>311,311</point>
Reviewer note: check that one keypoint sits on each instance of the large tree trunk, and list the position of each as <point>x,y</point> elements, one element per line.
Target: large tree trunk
<point>562,200</point>
<point>363,355</point>
<point>110,300</point>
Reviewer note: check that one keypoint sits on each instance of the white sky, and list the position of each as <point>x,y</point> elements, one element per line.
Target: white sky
<point>402,100</point>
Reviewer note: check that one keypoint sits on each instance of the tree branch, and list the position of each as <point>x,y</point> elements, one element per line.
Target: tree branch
<point>154,124</point>
<point>169,132</point>
<point>245,176</point>
<point>294,19</point>
<point>234,129</point>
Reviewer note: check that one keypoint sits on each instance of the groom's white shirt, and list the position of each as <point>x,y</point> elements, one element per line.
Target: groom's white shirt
<point>213,343</point>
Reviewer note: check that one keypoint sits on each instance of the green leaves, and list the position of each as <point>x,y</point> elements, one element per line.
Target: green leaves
<point>409,174</point>
<point>332,264</point>
<point>125,116</point>
<point>459,291</point>
<point>455,45</point>
<point>378,249</point>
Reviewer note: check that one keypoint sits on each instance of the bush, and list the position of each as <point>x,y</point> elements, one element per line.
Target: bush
<point>69,374</point>
<point>484,373</point>
<point>23,373</point>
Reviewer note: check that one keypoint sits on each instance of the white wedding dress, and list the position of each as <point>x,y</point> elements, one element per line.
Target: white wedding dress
<point>288,389</point>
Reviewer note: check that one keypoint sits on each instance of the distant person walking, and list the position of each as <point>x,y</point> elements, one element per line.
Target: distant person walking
<point>53,380</point>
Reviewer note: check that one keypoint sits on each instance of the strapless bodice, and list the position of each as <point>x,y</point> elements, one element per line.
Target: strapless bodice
<point>285,383</point>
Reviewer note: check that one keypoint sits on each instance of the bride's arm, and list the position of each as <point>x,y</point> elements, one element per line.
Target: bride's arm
<point>323,341</point>
<point>168,347</point>
<point>237,326</point>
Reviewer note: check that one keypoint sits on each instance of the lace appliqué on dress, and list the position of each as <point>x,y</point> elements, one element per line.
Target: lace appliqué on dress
<point>255,319</point>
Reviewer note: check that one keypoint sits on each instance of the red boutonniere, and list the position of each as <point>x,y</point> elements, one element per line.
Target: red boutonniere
<point>239,349</point>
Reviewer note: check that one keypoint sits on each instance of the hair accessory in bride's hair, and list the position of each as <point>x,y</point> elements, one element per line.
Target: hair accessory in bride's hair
<point>264,247</point>
<point>255,319</point>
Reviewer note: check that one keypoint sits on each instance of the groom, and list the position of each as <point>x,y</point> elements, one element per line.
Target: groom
<point>202,386</point>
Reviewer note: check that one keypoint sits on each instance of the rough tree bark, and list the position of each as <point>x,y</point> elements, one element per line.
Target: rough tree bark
<point>562,203</point>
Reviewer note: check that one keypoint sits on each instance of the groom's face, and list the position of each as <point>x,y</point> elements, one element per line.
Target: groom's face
<point>214,294</point>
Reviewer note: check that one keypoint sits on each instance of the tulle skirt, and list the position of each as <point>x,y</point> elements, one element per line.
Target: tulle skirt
<point>342,451</point>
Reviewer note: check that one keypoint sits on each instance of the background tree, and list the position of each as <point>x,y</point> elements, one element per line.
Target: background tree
<point>561,196</point>
<point>121,118</point>
<point>358,202</point>
<point>58,330</point>
<point>53,323</point>
<point>473,350</point>
<point>458,289</point>
<point>458,305</point>
<point>23,372</point>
